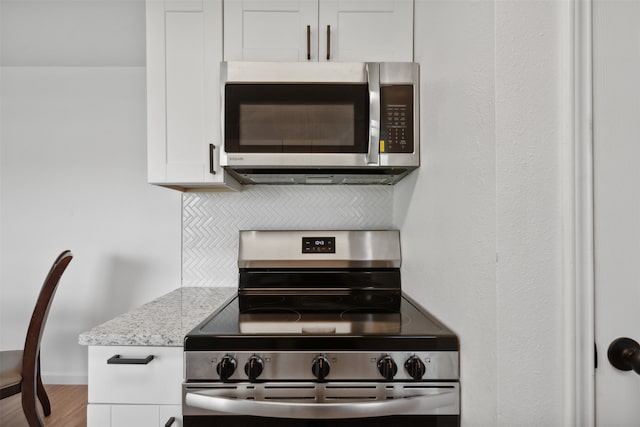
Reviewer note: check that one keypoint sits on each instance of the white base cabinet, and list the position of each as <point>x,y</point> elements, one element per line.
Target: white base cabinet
<point>127,393</point>
<point>134,415</point>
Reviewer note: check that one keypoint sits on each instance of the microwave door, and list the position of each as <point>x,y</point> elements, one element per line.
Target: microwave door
<point>293,121</point>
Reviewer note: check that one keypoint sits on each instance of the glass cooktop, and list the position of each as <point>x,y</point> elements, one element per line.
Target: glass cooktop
<point>406,326</point>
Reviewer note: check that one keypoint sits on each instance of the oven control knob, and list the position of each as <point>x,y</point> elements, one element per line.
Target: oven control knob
<point>320,367</point>
<point>387,367</point>
<point>415,367</point>
<point>254,366</point>
<point>226,367</point>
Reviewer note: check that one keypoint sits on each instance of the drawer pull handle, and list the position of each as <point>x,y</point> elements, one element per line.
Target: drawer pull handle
<point>170,422</point>
<point>117,360</point>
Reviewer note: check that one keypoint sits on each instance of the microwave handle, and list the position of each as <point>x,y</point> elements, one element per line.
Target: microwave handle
<point>373,80</point>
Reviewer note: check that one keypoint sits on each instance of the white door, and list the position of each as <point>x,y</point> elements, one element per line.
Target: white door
<point>616,30</point>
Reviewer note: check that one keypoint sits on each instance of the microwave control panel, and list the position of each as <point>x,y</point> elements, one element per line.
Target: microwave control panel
<point>396,116</point>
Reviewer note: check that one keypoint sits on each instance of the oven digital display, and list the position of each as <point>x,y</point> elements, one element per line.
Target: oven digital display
<point>316,245</point>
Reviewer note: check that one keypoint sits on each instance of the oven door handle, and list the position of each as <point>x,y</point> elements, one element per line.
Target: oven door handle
<point>363,409</point>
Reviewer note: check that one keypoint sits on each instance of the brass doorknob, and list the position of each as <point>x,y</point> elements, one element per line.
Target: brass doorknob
<point>624,354</point>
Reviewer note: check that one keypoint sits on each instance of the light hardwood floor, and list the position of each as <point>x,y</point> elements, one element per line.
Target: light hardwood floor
<point>68,408</point>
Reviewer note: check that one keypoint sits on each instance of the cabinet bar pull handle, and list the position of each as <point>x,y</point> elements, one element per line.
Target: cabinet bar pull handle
<point>308,42</point>
<point>117,360</point>
<point>328,42</point>
<point>212,148</point>
<point>170,422</point>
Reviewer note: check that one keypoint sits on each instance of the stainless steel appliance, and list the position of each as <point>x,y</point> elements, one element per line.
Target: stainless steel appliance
<point>320,123</point>
<point>321,334</point>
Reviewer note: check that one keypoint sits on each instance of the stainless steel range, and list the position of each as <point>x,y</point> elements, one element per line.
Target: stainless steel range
<point>321,334</point>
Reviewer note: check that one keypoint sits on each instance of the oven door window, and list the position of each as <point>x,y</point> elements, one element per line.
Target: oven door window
<point>296,118</point>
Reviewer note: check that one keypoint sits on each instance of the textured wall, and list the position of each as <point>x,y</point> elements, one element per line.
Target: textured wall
<point>211,221</point>
<point>446,211</point>
<point>529,48</point>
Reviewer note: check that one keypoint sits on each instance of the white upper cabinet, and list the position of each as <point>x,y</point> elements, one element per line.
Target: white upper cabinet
<point>185,47</point>
<point>184,50</point>
<point>260,30</point>
<point>318,30</point>
<point>366,31</point>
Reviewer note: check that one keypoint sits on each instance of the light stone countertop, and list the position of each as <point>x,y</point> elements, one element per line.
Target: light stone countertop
<point>162,322</point>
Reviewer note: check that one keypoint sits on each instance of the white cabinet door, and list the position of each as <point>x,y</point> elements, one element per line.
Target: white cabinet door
<point>101,415</point>
<point>135,415</point>
<point>366,31</point>
<point>339,30</point>
<point>98,415</point>
<point>184,50</point>
<point>262,30</point>
<point>171,412</point>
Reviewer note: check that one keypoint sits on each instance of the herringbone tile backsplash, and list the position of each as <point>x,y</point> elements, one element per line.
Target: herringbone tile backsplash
<point>211,221</point>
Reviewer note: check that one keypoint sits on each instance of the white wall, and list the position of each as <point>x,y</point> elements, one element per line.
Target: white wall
<point>487,191</point>
<point>85,33</point>
<point>530,85</point>
<point>480,220</point>
<point>446,209</point>
<point>73,176</point>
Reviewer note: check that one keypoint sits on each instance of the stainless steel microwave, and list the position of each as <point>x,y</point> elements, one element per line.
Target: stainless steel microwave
<point>320,123</point>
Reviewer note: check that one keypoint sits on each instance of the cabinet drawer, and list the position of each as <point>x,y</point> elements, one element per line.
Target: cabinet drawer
<point>156,382</point>
<point>103,415</point>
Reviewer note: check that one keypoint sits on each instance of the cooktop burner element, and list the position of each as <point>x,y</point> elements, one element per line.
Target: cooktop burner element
<point>312,328</point>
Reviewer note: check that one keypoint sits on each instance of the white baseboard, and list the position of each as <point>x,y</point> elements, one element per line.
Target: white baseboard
<point>78,378</point>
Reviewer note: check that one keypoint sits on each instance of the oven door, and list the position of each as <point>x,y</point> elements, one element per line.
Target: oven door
<point>310,121</point>
<point>321,404</point>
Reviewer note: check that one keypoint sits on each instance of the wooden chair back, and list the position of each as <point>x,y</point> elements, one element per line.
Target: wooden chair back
<point>31,355</point>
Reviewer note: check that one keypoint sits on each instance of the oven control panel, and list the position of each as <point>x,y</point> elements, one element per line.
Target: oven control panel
<point>318,245</point>
<point>320,366</point>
